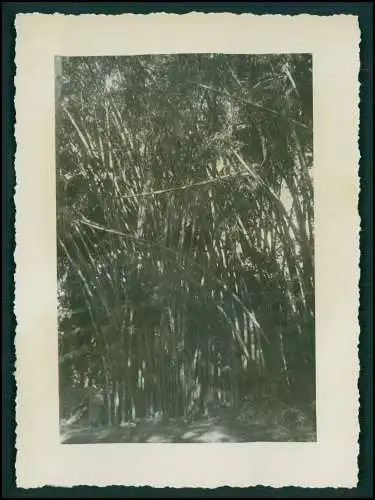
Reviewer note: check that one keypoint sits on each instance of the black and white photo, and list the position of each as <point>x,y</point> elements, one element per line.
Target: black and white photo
<point>185,230</point>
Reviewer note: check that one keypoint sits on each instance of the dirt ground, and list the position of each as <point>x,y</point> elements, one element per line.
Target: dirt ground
<point>222,428</point>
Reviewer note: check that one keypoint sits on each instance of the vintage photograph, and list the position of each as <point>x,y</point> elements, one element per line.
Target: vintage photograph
<point>185,248</point>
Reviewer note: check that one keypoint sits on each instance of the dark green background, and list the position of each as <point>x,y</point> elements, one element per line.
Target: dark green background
<point>364,10</point>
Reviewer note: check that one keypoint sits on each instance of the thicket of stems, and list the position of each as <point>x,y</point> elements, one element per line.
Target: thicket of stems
<point>185,231</point>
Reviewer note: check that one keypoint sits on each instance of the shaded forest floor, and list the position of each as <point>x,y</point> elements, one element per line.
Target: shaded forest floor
<point>226,426</point>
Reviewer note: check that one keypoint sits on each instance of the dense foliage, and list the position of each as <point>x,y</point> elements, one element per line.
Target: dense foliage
<point>185,232</point>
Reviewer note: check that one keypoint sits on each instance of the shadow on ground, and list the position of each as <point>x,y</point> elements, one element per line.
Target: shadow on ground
<point>221,429</point>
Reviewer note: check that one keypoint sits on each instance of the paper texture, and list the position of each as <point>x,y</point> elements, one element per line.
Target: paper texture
<point>332,460</point>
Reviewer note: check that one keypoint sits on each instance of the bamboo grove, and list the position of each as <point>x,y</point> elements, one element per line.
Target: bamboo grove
<point>185,231</point>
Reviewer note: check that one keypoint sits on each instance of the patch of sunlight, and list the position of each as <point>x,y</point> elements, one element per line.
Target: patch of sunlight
<point>127,424</point>
<point>66,422</point>
<point>215,436</point>
<point>158,439</point>
<point>285,197</point>
<point>188,435</point>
